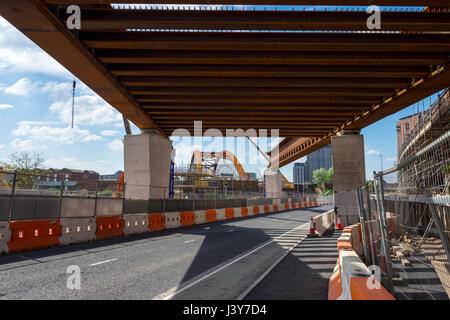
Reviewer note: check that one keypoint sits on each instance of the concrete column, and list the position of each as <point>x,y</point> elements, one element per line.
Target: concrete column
<point>147,158</point>
<point>274,184</point>
<point>349,173</point>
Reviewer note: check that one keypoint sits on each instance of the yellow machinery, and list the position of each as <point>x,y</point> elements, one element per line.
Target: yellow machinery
<point>211,160</point>
<point>286,181</point>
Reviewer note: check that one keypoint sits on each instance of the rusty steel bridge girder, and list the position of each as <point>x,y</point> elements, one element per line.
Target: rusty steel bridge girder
<point>309,85</point>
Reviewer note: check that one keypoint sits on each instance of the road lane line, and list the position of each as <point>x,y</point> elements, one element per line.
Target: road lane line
<point>189,241</point>
<point>178,289</point>
<point>102,262</point>
<point>264,275</point>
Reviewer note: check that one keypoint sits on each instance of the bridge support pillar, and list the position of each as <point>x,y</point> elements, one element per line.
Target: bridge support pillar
<point>274,184</point>
<point>147,158</point>
<point>349,173</point>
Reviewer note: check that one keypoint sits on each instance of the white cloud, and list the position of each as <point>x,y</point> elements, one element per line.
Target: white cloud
<point>6,106</point>
<point>116,145</point>
<point>23,87</point>
<point>373,152</point>
<point>58,136</point>
<point>90,110</point>
<point>23,145</point>
<point>19,55</point>
<point>2,146</point>
<point>393,159</point>
<point>58,91</point>
<point>109,133</point>
<point>38,123</point>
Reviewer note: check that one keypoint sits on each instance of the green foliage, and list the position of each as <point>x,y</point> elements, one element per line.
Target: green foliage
<point>321,176</point>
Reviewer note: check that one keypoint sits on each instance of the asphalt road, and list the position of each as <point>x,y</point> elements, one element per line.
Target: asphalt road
<point>222,260</point>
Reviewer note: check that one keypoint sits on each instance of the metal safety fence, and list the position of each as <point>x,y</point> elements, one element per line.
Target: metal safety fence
<point>405,213</point>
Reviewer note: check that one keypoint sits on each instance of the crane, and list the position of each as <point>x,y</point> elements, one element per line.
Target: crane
<point>286,181</point>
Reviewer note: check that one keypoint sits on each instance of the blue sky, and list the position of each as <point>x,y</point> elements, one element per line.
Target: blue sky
<point>35,114</point>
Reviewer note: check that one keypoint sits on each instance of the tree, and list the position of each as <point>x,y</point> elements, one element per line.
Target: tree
<point>28,167</point>
<point>321,176</point>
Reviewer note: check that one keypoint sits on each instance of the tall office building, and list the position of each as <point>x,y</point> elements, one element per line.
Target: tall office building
<point>303,172</point>
<point>317,160</point>
<point>299,173</point>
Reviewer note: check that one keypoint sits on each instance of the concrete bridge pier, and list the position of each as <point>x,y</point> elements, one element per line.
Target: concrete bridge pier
<point>147,158</point>
<point>274,183</point>
<point>349,173</point>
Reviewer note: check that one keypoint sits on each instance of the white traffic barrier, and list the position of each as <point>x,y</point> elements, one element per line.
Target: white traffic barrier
<point>173,220</point>
<point>77,230</point>
<point>351,266</point>
<point>250,211</point>
<point>135,223</point>
<point>200,216</point>
<point>237,213</point>
<point>5,237</point>
<point>220,214</point>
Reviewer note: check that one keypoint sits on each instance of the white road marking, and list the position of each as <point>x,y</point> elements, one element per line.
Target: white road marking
<point>176,290</point>
<point>231,230</point>
<point>102,262</point>
<point>261,278</point>
<point>188,241</point>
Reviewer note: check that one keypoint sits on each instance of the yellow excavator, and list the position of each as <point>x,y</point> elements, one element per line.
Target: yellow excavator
<point>287,184</point>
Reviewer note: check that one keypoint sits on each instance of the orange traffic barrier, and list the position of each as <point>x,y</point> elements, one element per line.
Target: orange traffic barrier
<point>300,205</point>
<point>211,215</point>
<point>34,234</point>
<point>293,205</point>
<point>335,285</point>
<point>275,208</point>
<point>255,209</point>
<point>286,206</point>
<point>306,204</point>
<point>229,213</point>
<point>187,218</point>
<point>266,209</point>
<point>156,222</point>
<point>310,204</point>
<point>109,227</point>
<point>315,203</point>
<point>360,290</point>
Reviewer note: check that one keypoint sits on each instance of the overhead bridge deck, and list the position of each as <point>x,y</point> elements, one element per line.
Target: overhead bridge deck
<point>309,73</point>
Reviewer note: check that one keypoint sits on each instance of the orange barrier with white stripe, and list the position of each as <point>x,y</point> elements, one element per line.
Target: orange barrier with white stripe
<point>109,227</point>
<point>34,234</point>
<point>156,222</point>
<point>244,211</point>
<point>255,210</point>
